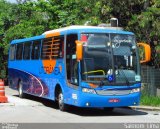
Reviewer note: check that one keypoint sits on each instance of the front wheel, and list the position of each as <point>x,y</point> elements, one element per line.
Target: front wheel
<point>61,104</point>
<point>20,90</point>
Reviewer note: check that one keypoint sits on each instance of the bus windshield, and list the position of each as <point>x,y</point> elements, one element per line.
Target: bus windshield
<point>110,54</point>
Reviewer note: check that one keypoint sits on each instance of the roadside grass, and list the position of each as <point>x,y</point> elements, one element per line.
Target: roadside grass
<point>150,100</point>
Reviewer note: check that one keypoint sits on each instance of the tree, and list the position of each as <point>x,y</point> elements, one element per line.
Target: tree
<point>29,18</point>
<point>147,26</point>
<point>6,21</point>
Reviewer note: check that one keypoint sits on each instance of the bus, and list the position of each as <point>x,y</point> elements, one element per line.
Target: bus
<point>83,66</point>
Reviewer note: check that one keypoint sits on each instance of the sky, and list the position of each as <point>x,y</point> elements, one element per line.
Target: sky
<point>12,1</point>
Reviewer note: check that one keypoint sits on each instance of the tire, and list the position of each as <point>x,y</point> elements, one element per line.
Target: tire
<point>62,106</point>
<point>108,109</point>
<point>20,90</point>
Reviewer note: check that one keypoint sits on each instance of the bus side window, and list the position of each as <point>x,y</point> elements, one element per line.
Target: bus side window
<point>19,51</point>
<point>26,51</point>
<point>52,48</point>
<point>12,52</point>
<point>36,49</point>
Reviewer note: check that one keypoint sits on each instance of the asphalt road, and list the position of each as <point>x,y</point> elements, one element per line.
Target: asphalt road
<point>37,110</point>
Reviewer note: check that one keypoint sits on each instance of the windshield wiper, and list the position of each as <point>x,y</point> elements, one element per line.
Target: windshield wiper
<point>99,76</point>
<point>96,76</point>
<point>101,83</point>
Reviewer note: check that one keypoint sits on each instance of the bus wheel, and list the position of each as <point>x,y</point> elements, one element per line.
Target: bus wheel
<point>61,104</point>
<point>20,90</point>
<point>108,109</point>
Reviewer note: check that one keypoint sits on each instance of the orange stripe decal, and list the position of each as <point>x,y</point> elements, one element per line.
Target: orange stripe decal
<point>52,34</point>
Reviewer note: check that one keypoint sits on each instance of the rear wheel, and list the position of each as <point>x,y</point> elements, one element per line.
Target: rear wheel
<point>61,104</point>
<point>20,90</point>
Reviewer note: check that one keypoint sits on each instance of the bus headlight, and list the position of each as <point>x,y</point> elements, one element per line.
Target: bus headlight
<point>135,90</point>
<point>87,90</point>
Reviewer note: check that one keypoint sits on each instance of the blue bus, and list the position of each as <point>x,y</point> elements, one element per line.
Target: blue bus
<point>84,66</point>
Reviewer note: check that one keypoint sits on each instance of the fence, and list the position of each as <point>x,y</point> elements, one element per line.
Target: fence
<point>150,80</point>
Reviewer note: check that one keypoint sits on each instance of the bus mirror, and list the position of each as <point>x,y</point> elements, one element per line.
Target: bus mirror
<point>79,49</point>
<point>144,52</point>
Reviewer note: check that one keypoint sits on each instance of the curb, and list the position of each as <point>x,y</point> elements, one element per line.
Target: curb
<point>147,108</point>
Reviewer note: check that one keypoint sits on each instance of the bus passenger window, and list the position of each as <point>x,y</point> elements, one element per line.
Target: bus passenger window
<point>36,49</point>
<point>52,48</point>
<point>26,51</point>
<point>12,52</point>
<point>19,51</point>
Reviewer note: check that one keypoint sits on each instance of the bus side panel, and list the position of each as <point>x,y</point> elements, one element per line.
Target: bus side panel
<point>31,84</point>
<point>34,78</point>
<point>13,77</point>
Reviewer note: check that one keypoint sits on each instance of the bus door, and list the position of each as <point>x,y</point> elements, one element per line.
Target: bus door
<point>71,62</point>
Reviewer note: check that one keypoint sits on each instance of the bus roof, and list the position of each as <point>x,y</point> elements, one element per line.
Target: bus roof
<point>94,29</point>
<point>75,29</point>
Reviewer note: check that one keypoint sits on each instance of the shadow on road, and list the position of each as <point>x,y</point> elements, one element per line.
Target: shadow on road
<point>45,102</point>
<point>124,111</point>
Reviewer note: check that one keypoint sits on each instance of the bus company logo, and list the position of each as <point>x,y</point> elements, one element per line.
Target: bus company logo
<point>48,66</point>
<point>122,41</point>
<point>46,69</point>
<point>56,70</point>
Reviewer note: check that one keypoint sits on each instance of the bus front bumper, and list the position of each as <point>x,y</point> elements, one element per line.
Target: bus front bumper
<point>94,100</point>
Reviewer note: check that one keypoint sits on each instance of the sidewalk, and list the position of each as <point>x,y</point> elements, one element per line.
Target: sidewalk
<point>147,108</point>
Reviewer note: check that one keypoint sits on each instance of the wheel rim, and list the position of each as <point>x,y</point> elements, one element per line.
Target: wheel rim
<point>60,100</point>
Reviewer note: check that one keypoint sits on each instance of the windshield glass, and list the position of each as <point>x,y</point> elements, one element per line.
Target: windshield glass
<point>106,55</point>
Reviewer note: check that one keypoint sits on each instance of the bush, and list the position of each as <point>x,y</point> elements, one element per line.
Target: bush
<point>150,100</point>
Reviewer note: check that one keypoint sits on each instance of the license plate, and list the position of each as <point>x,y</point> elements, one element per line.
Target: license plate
<point>114,100</point>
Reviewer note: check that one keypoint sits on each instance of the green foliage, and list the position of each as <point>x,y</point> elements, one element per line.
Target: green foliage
<point>150,100</point>
<point>30,18</point>
<point>147,23</point>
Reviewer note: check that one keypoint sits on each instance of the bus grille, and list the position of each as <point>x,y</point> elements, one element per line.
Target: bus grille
<point>113,92</point>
